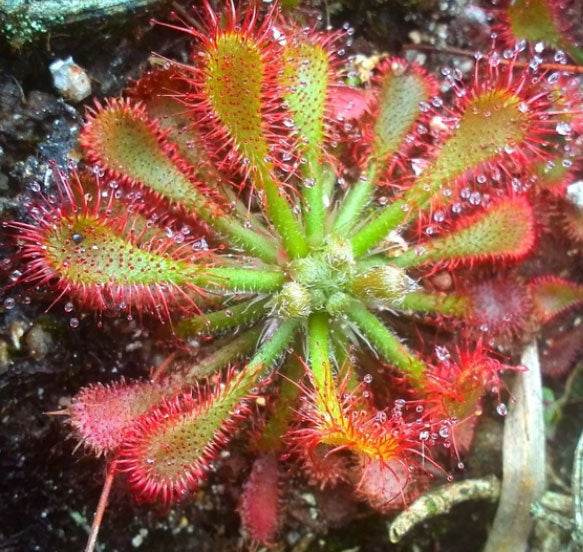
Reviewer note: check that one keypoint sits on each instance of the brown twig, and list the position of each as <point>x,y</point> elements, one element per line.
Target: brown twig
<point>515,63</point>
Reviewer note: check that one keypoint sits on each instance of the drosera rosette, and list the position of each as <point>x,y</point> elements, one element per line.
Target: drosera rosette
<point>242,143</point>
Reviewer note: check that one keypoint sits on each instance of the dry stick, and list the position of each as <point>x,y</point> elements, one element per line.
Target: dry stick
<point>101,505</point>
<point>577,491</point>
<point>441,500</point>
<point>514,63</point>
<point>523,460</point>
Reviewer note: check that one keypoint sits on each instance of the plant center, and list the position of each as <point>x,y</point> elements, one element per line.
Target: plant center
<point>315,280</point>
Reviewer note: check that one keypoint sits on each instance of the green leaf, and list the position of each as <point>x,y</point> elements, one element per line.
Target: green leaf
<point>234,77</point>
<point>506,230</point>
<point>305,80</point>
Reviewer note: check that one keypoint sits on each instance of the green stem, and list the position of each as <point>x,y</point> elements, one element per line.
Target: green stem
<point>341,355</point>
<point>356,200</point>
<point>319,350</point>
<point>450,304</point>
<point>242,210</point>
<point>241,346</point>
<point>340,346</point>
<point>385,343</point>
<point>237,235</point>
<point>312,192</point>
<point>376,230</point>
<point>241,314</point>
<point>328,184</point>
<point>259,366</point>
<point>282,217</point>
<point>255,369</point>
<point>271,436</point>
<point>412,258</point>
<point>269,352</point>
<point>238,279</point>
<point>372,261</point>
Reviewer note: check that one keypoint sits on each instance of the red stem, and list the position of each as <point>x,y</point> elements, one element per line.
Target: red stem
<point>101,505</point>
<point>163,368</point>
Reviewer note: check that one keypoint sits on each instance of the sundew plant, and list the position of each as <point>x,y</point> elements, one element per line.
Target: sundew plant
<point>252,200</point>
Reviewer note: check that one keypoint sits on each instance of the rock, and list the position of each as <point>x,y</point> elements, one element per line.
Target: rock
<point>70,80</point>
<point>38,342</point>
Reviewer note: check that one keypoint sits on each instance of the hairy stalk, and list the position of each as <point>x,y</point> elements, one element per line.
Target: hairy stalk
<point>239,236</point>
<point>242,345</point>
<point>282,217</point>
<point>313,198</point>
<point>241,314</point>
<point>275,345</point>
<point>384,342</point>
<point>319,349</point>
<point>376,230</point>
<point>239,279</point>
<point>356,199</point>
